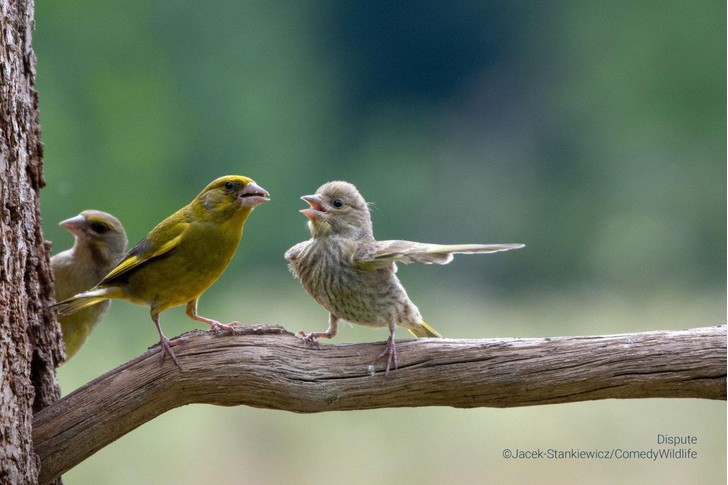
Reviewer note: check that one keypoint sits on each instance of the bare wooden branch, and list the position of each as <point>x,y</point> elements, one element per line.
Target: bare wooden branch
<point>268,367</point>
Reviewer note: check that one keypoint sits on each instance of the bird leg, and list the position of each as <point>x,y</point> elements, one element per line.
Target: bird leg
<point>191,311</point>
<point>165,342</point>
<point>390,351</point>
<point>329,333</point>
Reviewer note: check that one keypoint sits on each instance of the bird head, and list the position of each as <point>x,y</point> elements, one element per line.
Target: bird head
<point>230,195</point>
<point>337,208</point>
<point>100,232</point>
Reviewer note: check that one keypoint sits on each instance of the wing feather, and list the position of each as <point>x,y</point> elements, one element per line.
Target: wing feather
<point>383,253</point>
<point>149,248</point>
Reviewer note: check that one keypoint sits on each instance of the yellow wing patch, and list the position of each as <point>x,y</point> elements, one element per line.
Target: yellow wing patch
<point>146,252</point>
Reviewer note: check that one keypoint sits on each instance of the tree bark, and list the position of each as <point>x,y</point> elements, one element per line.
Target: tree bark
<point>29,333</point>
<point>268,367</point>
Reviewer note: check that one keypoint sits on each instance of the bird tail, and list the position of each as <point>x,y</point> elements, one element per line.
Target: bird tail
<point>424,330</point>
<point>83,300</point>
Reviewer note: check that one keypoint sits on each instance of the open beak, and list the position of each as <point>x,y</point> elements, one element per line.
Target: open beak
<point>317,209</point>
<point>74,225</point>
<point>253,195</point>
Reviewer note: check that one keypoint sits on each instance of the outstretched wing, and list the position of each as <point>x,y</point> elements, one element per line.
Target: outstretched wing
<point>383,253</point>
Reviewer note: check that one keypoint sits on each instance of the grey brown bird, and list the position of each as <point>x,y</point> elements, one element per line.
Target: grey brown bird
<point>99,243</point>
<point>352,275</point>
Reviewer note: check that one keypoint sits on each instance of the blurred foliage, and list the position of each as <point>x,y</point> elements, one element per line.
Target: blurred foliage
<point>595,133</point>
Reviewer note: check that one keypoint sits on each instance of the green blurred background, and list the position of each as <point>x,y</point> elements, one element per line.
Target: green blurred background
<point>593,132</point>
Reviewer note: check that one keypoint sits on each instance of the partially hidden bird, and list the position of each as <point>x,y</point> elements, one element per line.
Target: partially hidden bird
<point>99,243</point>
<point>182,256</point>
<point>352,275</point>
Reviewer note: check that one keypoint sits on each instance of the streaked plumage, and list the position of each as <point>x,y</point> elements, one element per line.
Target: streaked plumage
<point>182,256</point>
<point>99,243</point>
<point>352,275</point>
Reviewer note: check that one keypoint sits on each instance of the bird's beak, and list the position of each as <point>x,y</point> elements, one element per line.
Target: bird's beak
<point>253,195</point>
<point>75,225</point>
<point>317,209</point>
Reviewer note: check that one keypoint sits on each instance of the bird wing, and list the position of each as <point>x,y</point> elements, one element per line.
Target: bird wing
<point>293,252</point>
<point>383,253</point>
<point>150,247</point>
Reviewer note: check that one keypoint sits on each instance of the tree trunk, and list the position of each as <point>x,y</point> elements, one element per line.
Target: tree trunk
<point>29,334</point>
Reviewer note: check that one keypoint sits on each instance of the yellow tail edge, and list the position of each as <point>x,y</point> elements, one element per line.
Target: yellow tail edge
<point>83,300</point>
<point>72,305</point>
<point>424,330</point>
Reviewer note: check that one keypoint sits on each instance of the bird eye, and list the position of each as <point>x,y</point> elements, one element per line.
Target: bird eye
<point>99,228</point>
<point>338,203</point>
<point>229,185</point>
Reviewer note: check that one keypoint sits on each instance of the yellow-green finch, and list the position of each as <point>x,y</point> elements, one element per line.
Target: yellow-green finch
<point>181,257</point>
<point>352,275</point>
<point>99,243</point>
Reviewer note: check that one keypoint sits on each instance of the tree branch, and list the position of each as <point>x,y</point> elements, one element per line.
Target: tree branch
<point>267,367</point>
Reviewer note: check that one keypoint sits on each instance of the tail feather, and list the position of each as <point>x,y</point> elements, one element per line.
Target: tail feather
<point>83,300</point>
<point>424,330</point>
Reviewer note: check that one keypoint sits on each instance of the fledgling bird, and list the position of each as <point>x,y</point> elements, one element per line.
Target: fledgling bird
<point>99,243</point>
<point>352,275</point>
<point>182,256</point>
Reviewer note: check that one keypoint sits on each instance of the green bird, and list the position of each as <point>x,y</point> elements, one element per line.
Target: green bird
<point>182,256</point>
<point>99,243</point>
<point>352,275</point>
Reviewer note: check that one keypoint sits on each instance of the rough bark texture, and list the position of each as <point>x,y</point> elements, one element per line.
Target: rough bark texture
<point>29,334</point>
<point>270,368</point>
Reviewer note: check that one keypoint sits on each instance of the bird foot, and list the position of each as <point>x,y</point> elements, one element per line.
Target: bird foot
<point>167,348</point>
<point>224,327</point>
<point>312,338</point>
<point>390,351</point>
<point>309,338</point>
